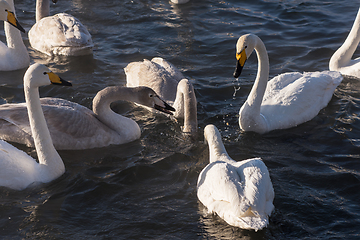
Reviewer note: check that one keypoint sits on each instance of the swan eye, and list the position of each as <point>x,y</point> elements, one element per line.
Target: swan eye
<point>245,46</point>
<point>44,73</point>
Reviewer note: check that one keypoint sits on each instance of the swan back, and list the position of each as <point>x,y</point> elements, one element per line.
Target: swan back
<point>239,192</point>
<point>157,74</point>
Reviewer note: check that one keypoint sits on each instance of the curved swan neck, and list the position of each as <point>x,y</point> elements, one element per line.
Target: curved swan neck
<point>216,147</point>
<point>101,107</point>
<point>185,101</point>
<point>343,55</point>
<point>42,9</point>
<point>257,92</point>
<point>47,155</point>
<point>15,44</point>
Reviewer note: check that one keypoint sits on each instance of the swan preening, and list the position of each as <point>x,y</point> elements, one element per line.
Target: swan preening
<point>61,34</point>
<point>73,126</point>
<point>170,84</point>
<point>341,60</point>
<point>14,55</point>
<point>285,101</point>
<point>241,193</point>
<point>17,169</point>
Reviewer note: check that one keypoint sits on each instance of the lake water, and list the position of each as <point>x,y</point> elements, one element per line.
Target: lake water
<point>147,189</point>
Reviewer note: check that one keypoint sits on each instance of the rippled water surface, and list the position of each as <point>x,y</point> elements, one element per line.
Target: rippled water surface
<point>147,189</point>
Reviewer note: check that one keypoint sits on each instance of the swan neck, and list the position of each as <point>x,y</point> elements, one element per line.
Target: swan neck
<point>216,147</point>
<point>46,152</point>
<point>258,90</point>
<point>42,9</point>
<point>343,55</point>
<point>124,126</point>
<point>186,101</point>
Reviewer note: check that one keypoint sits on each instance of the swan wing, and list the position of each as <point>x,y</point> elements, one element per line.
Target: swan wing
<point>60,34</point>
<point>300,99</point>
<point>71,125</point>
<point>219,188</point>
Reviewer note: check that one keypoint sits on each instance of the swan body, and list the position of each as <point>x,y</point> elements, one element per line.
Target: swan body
<point>61,34</point>
<point>341,60</point>
<point>73,126</point>
<point>170,84</point>
<point>241,193</point>
<point>14,55</point>
<point>17,169</point>
<point>285,101</point>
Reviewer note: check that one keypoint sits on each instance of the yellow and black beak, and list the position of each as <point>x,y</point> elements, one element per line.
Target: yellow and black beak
<point>13,21</point>
<point>56,80</point>
<point>241,59</point>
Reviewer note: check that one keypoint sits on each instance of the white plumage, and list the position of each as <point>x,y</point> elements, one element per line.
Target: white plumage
<point>241,193</point>
<point>167,81</point>
<point>285,101</point>
<point>341,60</point>
<point>14,55</point>
<point>61,34</point>
<point>17,169</point>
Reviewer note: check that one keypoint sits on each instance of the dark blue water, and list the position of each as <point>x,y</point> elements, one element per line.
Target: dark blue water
<point>147,189</point>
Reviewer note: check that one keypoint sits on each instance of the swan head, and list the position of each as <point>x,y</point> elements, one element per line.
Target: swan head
<point>148,97</point>
<point>244,47</point>
<point>7,15</point>
<point>39,75</point>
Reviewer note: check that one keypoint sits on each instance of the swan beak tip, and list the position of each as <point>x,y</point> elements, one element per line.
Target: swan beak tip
<point>166,109</point>
<point>238,70</point>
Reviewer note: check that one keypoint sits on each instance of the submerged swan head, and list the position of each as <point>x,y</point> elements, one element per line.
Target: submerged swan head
<point>244,47</point>
<point>148,97</point>
<point>7,15</point>
<point>39,75</point>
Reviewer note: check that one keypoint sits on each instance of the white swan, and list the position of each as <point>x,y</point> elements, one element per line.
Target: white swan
<point>61,34</point>
<point>285,101</point>
<point>14,55</point>
<point>241,193</point>
<point>73,126</point>
<point>341,60</point>
<point>170,84</point>
<point>17,169</point>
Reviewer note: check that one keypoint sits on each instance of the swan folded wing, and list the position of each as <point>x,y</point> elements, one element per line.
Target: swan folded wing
<point>219,189</point>
<point>74,31</point>
<point>14,124</point>
<point>258,190</point>
<point>71,125</point>
<point>300,100</point>
<point>56,34</point>
<point>171,69</point>
<point>154,76</point>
